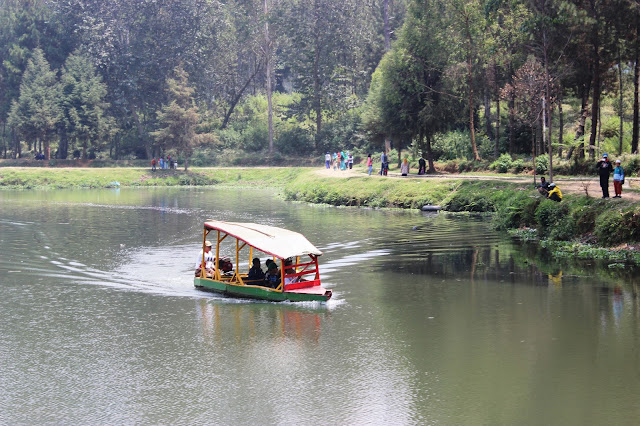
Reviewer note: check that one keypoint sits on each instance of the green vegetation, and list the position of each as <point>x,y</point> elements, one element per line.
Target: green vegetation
<point>473,85</point>
<point>55,178</point>
<point>576,226</point>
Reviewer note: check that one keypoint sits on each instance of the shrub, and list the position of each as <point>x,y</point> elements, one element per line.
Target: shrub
<point>295,141</point>
<point>542,164</point>
<point>550,214</point>
<point>517,166</point>
<point>502,164</point>
<point>610,228</point>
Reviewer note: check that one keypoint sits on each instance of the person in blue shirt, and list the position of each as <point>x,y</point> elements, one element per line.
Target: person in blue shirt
<point>618,179</point>
<point>272,279</point>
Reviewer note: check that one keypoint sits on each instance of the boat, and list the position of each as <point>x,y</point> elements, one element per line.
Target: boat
<point>295,256</point>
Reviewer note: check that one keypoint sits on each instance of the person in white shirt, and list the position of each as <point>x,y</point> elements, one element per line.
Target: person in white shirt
<point>208,259</point>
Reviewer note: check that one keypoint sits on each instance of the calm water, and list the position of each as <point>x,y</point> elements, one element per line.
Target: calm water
<point>434,320</point>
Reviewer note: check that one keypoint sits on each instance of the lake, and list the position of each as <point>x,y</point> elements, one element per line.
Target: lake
<point>435,319</point>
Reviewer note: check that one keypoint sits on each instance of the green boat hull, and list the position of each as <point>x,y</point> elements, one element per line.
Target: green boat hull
<point>261,293</point>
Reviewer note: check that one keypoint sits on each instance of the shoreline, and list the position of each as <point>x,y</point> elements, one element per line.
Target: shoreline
<point>581,221</point>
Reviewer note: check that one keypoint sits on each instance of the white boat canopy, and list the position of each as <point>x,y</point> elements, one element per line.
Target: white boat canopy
<point>277,242</point>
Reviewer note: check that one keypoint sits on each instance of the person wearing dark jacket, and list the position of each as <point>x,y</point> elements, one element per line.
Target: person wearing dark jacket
<point>543,187</point>
<point>605,168</point>
<point>255,273</point>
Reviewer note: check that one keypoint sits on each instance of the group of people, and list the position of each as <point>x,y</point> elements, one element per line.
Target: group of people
<point>342,160</point>
<point>549,190</point>
<point>271,278</point>
<point>256,275</point>
<point>605,169</point>
<point>163,164</point>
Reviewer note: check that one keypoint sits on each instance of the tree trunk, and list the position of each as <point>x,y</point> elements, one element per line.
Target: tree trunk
<point>496,148</point>
<point>432,167</point>
<point>512,116</point>
<point>472,126</point>
<point>387,37</point>
<point>636,88</point>
<point>237,98</point>
<point>487,116</point>
<point>595,106</point>
<point>586,88</point>
<point>139,129</point>
<point>547,109</point>
<point>620,86</point>
<point>269,77</point>
<point>560,126</point>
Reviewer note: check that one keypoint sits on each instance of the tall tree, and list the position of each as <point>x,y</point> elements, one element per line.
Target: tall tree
<point>83,103</point>
<point>36,113</point>
<point>179,118</point>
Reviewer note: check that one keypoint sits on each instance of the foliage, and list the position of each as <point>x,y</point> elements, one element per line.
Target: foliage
<point>502,164</point>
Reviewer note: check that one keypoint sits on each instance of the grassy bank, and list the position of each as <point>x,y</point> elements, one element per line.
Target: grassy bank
<point>59,178</point>
<point>576,226</point>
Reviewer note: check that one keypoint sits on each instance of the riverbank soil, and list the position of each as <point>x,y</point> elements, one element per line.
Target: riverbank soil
<point>570,185</point>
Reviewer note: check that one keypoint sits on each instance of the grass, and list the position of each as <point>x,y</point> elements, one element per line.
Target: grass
<point>577,220</point>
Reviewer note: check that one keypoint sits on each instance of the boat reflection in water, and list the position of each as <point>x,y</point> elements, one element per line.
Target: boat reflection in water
<point>251,321</point>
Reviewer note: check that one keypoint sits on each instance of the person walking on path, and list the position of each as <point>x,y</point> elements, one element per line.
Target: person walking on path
<point>618,179</point>
<point>604,168</point>
<point>369,163</point>
<point>350,160</point>
<point>327,160</point>
<point>153,164</point>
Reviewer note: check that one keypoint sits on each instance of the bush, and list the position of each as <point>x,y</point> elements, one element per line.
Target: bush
<point>610,228</point>
<point>551,214</point>
<point>452,145</point>
<point>517,166</point>
<point>295,141</point>
<point>542,164</point>
<point>502,164</point>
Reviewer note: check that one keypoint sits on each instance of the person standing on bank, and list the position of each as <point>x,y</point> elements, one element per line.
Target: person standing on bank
<point>327,160</point>
<point>369,163</point>
<point>604,169</point>
<point>618,179</point>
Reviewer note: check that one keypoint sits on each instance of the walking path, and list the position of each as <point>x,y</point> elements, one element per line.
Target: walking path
<point>568,185</point>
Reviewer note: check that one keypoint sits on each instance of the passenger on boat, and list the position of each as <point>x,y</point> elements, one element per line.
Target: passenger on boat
<point>272,279</point>
<point>287,271</point>
<point>256,273</point>
<point>208,259</point>
<point>225,265</point>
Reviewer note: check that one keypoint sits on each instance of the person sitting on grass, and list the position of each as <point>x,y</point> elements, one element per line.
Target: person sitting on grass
<point>543,187</point>
<point>554,193</point>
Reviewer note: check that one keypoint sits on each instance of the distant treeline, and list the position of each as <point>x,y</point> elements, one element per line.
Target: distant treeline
<point>213,81</point>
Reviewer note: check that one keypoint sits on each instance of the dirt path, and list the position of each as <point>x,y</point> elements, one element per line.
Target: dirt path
<point>572,185</point>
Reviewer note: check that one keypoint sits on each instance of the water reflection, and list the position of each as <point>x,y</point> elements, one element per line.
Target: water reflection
<point>435,319</point>
<point>251,320</point>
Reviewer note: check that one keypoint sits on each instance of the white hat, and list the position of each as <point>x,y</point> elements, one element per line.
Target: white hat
<point>618,161</point>
<point>208,243</point>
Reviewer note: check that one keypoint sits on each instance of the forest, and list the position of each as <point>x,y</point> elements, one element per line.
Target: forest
<point>242,82</point>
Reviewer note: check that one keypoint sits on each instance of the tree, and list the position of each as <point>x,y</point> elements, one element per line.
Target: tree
<point>36,113</point>
<point>466,24</point>
<point>178,119</point>
<point>83,104</point>
<point>528,89</point>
